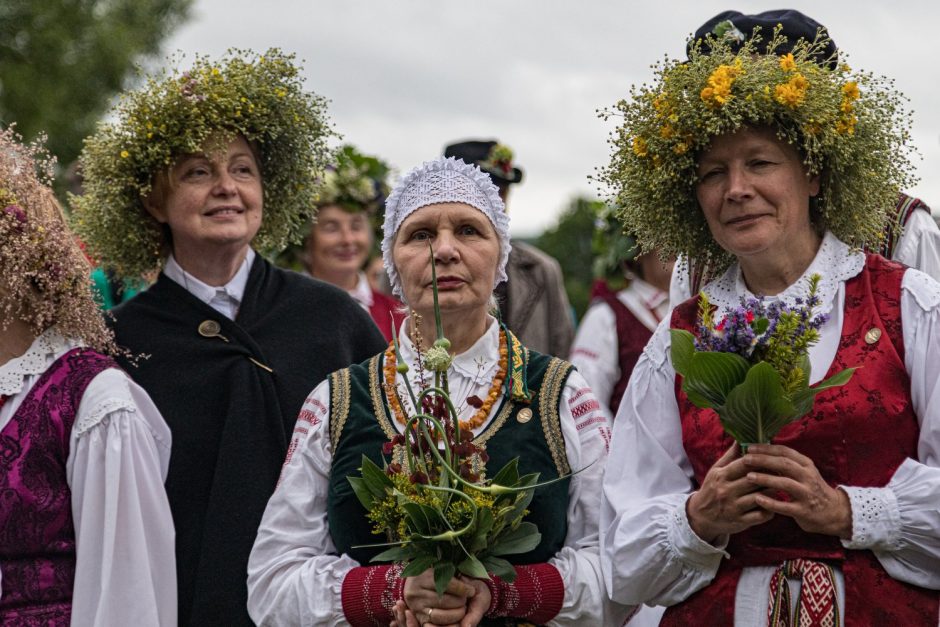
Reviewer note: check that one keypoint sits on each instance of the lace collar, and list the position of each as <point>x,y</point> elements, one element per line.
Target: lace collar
<point>835,262</point>
<point>478,360</point>
<point>44,350</point>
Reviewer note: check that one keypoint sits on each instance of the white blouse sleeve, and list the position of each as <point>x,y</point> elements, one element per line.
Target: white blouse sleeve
<point>586,430</point>
<point>295,576</point>
<point>594,352</point>
<point>649,552</point>
<point>900,523</point>
<point>919,244</point>
<point>125,566</point>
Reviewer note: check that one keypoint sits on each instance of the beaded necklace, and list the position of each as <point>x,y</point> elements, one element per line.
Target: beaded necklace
<point>478,417</point>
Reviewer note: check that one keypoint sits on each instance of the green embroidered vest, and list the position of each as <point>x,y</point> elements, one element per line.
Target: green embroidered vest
<point>360,423</point>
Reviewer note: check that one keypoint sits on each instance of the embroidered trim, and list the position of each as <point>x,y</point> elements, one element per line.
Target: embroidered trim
<point>378,396</point>
<point>339,404</point>
<point>108,407</point>
<point>549,395</point>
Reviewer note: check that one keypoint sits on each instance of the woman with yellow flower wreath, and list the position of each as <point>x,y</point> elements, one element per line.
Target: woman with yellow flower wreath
<point>309,565</point>
<point>767,159</point>
<point>201,173</point>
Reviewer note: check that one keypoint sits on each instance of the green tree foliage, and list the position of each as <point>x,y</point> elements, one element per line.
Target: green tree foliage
<point>569,242</point>
<point>62,61</point>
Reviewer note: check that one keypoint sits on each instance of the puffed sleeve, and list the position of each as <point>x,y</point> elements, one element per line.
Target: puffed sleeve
<point>120,449</point>
<point>649,553</point>
<point>919,244</point>
<point>594,352</point>
<point>295,576</point>
<point>586,430</point>
<point>900,523</point>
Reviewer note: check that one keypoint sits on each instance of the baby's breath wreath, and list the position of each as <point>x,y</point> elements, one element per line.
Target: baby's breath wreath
<point>43,272</point>
<point>851,128</point>
<point>260,97</point>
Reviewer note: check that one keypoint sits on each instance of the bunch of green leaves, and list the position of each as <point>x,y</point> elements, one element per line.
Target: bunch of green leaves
<point>753,367</point>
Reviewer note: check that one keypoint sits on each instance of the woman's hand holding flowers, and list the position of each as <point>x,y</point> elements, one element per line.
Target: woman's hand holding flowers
<point>727,502</point>
<point>463,604</point>
<point>816,506</point>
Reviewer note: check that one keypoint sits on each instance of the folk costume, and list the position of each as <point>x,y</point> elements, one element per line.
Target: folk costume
<point>386,312</point>
<point>305,569</point>
<point>228,365</point>
<point>230,389</point>
<point>874,438</point>
<point>612,335</point>
<point>86,536</point>
<point>302,569</point>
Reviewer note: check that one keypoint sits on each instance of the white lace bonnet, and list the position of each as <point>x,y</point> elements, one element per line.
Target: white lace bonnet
<point>445,179</point>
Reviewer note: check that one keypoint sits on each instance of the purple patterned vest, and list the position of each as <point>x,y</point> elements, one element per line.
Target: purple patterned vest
<point>37,539</point>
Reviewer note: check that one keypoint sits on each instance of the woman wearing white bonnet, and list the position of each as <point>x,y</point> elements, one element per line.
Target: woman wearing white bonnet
<point>304,568</point>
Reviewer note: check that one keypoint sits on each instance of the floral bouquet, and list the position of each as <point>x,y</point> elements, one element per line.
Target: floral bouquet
<point>437,508</point>
<point>752,367</point>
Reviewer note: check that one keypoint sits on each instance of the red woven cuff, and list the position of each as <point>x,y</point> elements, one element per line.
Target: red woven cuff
<point>536,595</point>
<point>369,592</point>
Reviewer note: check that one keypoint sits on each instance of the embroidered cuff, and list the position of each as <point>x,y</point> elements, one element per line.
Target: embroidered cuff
<point>536,595</point>
<point>369,592</point>
<point>876,518</point>
<point>686,544</point>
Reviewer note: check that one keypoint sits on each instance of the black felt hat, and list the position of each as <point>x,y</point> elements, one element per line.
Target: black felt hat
<point>738,27</point>
<point>490,155</point>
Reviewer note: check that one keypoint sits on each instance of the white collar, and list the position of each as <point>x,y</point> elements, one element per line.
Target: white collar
<point>234,289</point>
<point>478,360</point>
<point>651,296</point>
<point>835,262</point>
<point>362,293</point>
<point>42,352</point>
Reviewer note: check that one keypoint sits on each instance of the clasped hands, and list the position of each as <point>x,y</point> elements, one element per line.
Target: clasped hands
<point>464,602</point>
<point>738,493</point>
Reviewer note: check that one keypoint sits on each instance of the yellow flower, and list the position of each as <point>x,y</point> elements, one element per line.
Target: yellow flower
<point>640,148</point>
<point>215,71</point>
<point>666,131</point>
<point>846,125</point>
<point>787,62</point>
<point>718,91</point>
<point>850,91</point>
<point>793,92</point>
<point>125,154</point>
<point>281,92</point>
<point>681,148</point>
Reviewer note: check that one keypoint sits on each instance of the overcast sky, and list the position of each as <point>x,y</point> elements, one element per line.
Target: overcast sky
<point>406,77</point>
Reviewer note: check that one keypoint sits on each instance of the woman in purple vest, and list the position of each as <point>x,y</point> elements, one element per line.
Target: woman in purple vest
<point>86,536</point>
<point>756,157</point>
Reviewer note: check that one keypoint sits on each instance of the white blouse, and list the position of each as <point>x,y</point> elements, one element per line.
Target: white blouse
<point>119,451</point>
<point>295,576</point>
<point>650,553</point>
<point>596,349</point>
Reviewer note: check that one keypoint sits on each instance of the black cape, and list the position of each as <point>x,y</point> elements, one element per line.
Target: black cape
<point>231,419</point>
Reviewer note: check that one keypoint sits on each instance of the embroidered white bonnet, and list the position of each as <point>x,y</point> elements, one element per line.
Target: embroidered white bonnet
<point>440,181</point>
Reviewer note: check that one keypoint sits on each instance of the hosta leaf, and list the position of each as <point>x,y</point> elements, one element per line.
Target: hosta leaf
<point>713,375</point>
<point>375,478</point>
<point>803,399</point>
<point>418,565</point>
<point>522,539</point>
<point>682,348</point>
<point>472,567</point>
<point>396,554</point>
<point>500,567</point>
<point>443,573</point>
<point>755,410</point>
<point>363,493</point>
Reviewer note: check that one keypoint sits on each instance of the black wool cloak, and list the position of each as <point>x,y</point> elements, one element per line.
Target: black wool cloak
<point>230,417</point>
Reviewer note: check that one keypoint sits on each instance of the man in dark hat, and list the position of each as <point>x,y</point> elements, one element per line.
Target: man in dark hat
<point>533,302</point>
<point>911,236</point>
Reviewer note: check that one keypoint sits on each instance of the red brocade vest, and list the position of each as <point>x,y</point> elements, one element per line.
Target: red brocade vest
<point>857,435</point>
<point>632,336</point>
<point>37,539</point>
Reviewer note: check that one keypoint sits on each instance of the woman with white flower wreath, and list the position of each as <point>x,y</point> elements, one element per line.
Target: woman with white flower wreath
<point>308,566</point>
<point>773,164</point>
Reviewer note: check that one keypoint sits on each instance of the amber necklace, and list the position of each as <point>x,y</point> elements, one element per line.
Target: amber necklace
<point>478,417</point>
